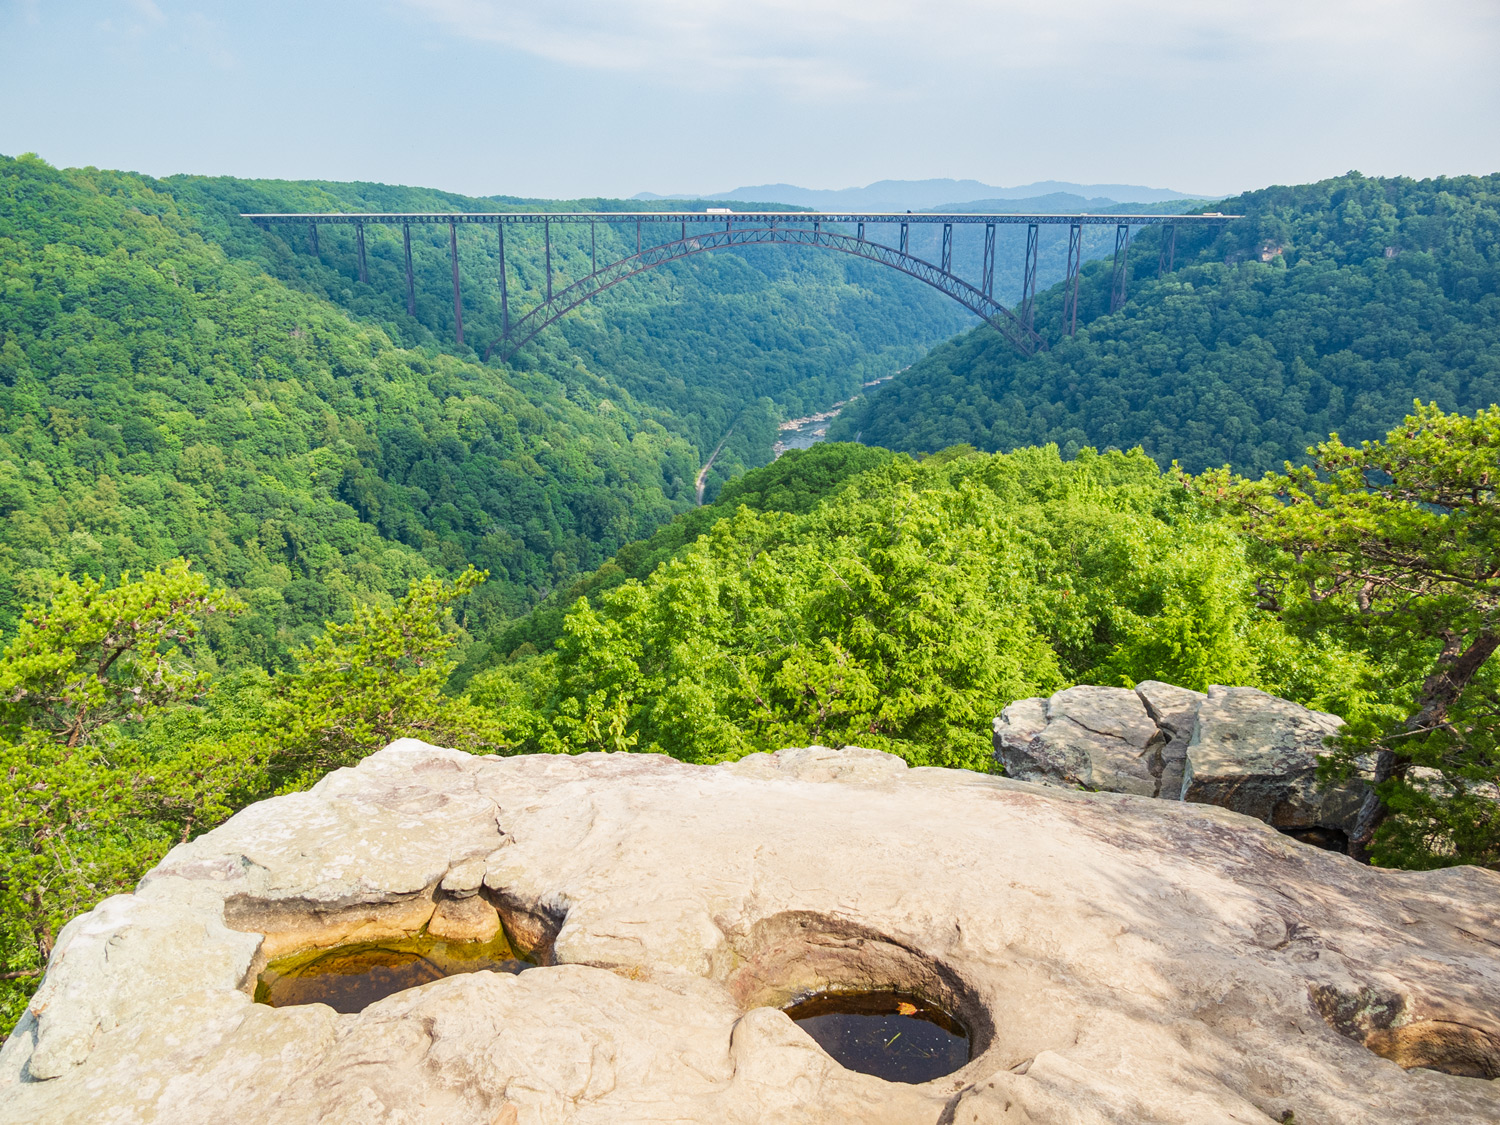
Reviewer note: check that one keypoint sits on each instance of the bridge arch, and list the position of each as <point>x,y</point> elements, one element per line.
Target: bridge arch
<point>526,328</point>
<point>762,228</point>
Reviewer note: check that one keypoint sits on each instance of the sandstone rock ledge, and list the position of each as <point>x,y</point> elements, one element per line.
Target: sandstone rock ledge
<point>1117,958</point>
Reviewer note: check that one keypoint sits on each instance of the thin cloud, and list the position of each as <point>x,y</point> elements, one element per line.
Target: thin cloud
<point>148,11</point>
<point>848,48</point>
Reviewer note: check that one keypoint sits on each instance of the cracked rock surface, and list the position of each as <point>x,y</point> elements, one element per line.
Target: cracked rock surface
<point>1235,747</point>
<point>1116,958</point>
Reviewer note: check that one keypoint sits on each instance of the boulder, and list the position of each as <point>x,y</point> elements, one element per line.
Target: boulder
<point>1235,747</point>
<point>1097,738</point>
<point>1114,958</point>
<point>1258,755</point>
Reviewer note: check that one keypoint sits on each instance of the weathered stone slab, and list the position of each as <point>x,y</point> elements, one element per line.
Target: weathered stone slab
<point>1083,737</point>
<point>1116,959</point>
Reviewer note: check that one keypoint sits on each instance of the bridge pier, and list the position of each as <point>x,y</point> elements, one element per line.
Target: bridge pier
<point>411,286</point>
<point>504,296</point>
<point>359,242</point>
<point>593,248</point>
<point>947,266</point>
<point>547,240</point>
<point>861,235</point>
<point>1070,286</point>
<point>988,286</point>
<point>903,238</point>
<point>1168,250</point>
<point>312,239</point>
<point>1122,268</point>
<point>458,304</point>
<point>1028,277</point>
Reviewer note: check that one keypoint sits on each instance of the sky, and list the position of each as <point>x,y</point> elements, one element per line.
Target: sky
<point>577,98</point>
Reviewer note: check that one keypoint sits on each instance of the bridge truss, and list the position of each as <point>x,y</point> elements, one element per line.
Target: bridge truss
<point>720,230</point>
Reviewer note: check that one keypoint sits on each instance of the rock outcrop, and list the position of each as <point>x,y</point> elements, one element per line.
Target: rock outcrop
<point>1115,958</point>
<point>1235,747</point>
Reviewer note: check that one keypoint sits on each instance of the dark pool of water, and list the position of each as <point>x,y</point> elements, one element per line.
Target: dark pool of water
<point>1330,839</point>
<point>891,1035</point>
<point>349,978</point>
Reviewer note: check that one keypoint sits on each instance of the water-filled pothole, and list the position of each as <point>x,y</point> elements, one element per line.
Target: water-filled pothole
<point>349,978</point>
<point>893,1035</point>
<point>1329,839</point>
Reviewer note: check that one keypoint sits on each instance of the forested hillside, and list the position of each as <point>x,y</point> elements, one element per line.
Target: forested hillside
<point>158,399</point>
<point>717,344</point>
<point>901,610</point>
<point>1330,307</point>
<point>175,382</point>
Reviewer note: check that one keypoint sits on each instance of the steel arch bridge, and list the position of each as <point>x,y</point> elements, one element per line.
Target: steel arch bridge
<point>721,228</point>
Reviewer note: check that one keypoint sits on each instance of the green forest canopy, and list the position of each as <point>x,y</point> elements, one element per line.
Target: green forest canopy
<point>1330,307</point>
<point>176,383</point>
<point>902,611</point>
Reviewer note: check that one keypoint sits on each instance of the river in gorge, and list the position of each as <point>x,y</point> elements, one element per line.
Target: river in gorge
<point>800,433</point>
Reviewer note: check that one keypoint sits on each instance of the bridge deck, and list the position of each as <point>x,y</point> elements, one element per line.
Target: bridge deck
<point>677,217</point>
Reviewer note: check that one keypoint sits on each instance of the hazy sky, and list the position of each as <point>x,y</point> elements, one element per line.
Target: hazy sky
<point>566,98</point>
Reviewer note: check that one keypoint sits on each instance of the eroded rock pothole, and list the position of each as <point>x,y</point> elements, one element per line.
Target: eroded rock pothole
<point>897,1036</point>
<point>1383,1021</point>
<point>349,978</point>
<point>872,1002</point>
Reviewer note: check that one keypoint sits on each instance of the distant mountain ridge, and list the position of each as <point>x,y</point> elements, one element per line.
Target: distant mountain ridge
<point>920,195</point>
<point>1065,203</point>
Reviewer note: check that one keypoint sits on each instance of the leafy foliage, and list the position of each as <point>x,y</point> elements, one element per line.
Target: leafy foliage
<point>113,747</point>
<point>903,612</point>
<point>365,683</point>
<point>797,481</point>
<point>89,660</point>
<point>308,444</point>
<point>1394,545</point>
<point>92,656</point>
<point>1328,308</point>
<point>159,400</point>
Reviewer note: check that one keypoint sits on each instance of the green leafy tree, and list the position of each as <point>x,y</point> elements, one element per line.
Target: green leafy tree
<point>367,682</point>
<point>81,669</point>
<point>904,611</point>
<point>1395,544</point>
<point>94,656</point>
<point>113,747</point>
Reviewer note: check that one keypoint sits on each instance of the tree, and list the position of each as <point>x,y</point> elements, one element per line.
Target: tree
<point>82,666</point>
<point>1397,543</point>
<point>94,656</point>
<point>370,681</point>
<point>904,611</point>
<point>113,747</point>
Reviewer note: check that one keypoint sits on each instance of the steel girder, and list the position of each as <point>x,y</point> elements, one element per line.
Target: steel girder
<point>676,218</point>
<point>565,300</point>
<point>1121,277</point>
